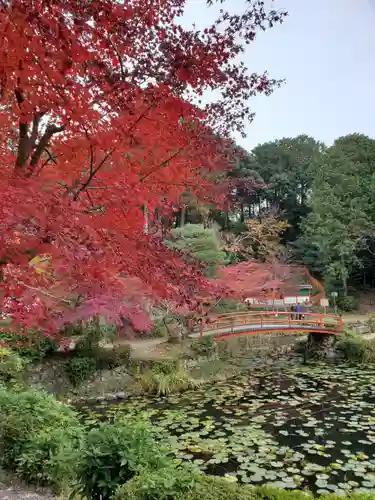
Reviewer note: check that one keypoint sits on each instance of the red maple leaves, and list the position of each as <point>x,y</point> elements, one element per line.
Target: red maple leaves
<point>97,129</point>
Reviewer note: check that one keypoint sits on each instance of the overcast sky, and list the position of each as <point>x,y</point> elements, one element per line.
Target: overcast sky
<point>325,50</point>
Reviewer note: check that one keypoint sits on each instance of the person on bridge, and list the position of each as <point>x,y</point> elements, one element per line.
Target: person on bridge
<point>299,312</point>
<point>293,310</point>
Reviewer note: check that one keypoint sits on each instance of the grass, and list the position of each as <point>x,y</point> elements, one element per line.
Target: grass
<point>166,378</point>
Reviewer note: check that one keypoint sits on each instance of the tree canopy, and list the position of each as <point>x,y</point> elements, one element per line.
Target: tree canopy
<point>99,130</point>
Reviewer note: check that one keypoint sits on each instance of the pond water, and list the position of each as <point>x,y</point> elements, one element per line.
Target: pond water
<point>289,425</point>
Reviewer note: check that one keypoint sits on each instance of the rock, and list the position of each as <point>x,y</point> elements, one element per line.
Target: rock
<point>110,397</point>
<point>361,329</point>
<point>121,395</point>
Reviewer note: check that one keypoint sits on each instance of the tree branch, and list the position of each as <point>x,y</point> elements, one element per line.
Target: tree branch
<point>93,172</point>
<point>43,143</point>
<point>162,164</point>
<point>47,294</point>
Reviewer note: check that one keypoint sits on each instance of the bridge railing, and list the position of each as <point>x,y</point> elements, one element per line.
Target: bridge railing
<point>264,319</point>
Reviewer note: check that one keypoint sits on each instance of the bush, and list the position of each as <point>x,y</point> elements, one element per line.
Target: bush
<point>12,366</point>
<point>204,346</point>
<point>113,358</point>
<point>32,345</point>
<point>89,343</point>
<point>371,323</point>
<point>34,428</point>
<point>51,456</point>
<point>80,369</point>
<point>166,377</point>
<point>356,349</point>
<point>180,484</point>
<point>347,303</point>
<point>159,330</point>
<point>167,483</point>
<point>112,454</point>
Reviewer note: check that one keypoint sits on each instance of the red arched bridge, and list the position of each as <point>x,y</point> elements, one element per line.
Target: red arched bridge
<point>222,326</point>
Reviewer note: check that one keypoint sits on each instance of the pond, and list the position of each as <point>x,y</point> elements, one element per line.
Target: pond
<point>288,425</point>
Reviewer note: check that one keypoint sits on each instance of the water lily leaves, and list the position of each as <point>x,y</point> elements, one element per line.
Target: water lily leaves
<point>250,430</point>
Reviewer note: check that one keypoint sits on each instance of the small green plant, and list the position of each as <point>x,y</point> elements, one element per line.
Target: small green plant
<point>166,483</point>
<point>356,349</point>
<point>89,343</point>
<point>347,303</point>
<point>29,344</point>
<point>119,355</point>
<point>166,377</point>
<point>80,369</point>
<point>181,484</point>
<point>371,323</point>
<point>12,366</point>
<point>50,457</point>
<point>159,330</point>
<point>204,347</point>
<point>27,416</point>
<point>111,454</point>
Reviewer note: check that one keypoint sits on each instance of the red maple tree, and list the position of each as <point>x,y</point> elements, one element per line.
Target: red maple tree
<point>98,134</point>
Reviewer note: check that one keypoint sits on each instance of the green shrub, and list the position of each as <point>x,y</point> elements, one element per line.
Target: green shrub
<point>89,343</point>
<point>26,416</point>
<point>112,358</point>
<point>166,377</point>
<point>356,349</point>
<point>159,330</point>
<point>371,323</point>
<point>51,456</point>
<point>167,483</point>
<point>12,366</point>
<point>204,346</point>
<point>180,484</point>
<point>80,369</point>
<point>32,345</point>
<point>112,454</point>
<point>347,303</point>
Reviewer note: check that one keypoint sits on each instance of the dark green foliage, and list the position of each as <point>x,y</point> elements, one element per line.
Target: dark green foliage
<point>338,235</point>
<point>12,367</point>
<point>204,347</point>
<point>347,303</point>
<point>32,345</point>
<point>201,243</point>
<point>80,369</point>
<point>112,454</point>
<point>119,355</point>
<point>356,349</point>
<point>166,377</point>
<point>180,484</point>
<point>34,429</point>
<point>89,342</point>
<point>51,456</point>
<point>89,356</point>
<point>159,330</point>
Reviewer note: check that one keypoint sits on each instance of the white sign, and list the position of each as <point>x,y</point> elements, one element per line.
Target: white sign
<point>324,302</point>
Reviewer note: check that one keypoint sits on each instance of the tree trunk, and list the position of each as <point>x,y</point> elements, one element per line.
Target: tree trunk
<point>344,277</point>
<point>146,224</point>
<point>242,213</point>
<point>183,216</point>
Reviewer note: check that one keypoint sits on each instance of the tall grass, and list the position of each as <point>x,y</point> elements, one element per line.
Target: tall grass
<point>166,377</point>
<point>356,348</point>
